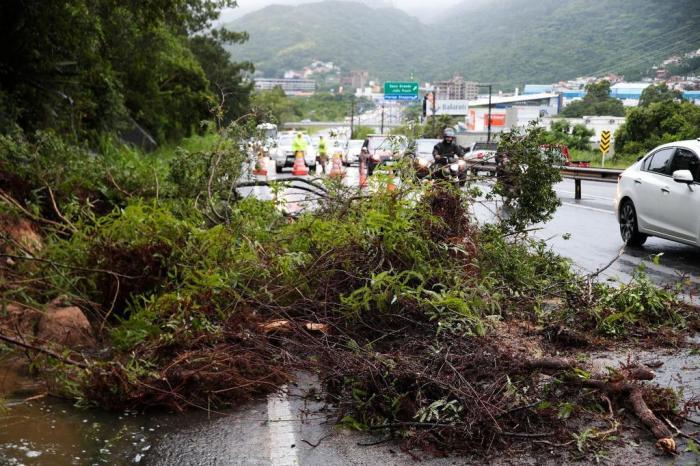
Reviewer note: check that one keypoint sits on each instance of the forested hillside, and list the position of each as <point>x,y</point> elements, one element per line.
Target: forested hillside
<point>509,42</point>
<point>385,40</point>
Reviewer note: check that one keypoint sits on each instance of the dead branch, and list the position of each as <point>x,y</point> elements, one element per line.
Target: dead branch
<point>48,352</point>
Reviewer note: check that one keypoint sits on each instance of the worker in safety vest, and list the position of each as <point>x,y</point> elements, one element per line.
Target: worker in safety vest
<point>299,144</point>
<point>322,154</point>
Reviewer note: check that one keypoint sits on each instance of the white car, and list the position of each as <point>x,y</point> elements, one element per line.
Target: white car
<point>283,155</point>
<point>352,154</point>
<point>485,151</point>
<point>660,195</point>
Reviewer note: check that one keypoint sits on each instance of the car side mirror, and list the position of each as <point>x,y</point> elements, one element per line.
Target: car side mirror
<point>683,176</point>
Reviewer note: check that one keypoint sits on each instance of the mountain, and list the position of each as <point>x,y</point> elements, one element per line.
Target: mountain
<point>351,34</point>
<point>507,42</point>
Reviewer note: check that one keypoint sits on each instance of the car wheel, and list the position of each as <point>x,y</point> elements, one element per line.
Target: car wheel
<point>629,229</point>
<point>312,168</point>
<point>278,169</point>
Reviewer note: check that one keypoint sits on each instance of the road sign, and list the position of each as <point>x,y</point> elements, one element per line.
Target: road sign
<point>400,90</point>
<point>604,145</point>
<point>605,142</point>
<point>400,97</point>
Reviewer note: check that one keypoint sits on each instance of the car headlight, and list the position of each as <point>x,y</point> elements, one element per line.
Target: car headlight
<point>462,165</point>
<point>422,163</point>
<point>454,167</point>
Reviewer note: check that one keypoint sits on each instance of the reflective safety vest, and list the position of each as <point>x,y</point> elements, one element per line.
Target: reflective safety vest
<point>299,144</point>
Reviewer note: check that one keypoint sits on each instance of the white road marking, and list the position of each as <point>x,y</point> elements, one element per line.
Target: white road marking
<point>283,450</point>
<point>585,207</point>
<point>587,196</point>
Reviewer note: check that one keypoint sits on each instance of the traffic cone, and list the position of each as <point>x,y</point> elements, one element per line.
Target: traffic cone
<point>336,169</point>
<point>363,173</point>
<point>299,168</point>
<point>260,165</point>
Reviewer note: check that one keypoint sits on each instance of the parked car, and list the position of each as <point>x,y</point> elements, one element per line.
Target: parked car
<point>660,195</point>
<point>352,154</point>
<point>481,151</point>
<point>283,155</point>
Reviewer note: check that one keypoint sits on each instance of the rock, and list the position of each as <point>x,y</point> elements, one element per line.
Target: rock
<point>66,326</point>
<point>22,233</point>
<point>16,321</point>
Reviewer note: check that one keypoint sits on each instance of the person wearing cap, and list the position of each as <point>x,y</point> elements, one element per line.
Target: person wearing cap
<point>447,149</point>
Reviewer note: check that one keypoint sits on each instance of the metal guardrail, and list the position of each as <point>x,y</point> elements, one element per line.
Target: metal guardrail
<point>578,174</point>
<point>605,175</point>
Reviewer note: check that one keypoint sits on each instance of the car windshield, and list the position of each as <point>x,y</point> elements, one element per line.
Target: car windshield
<point>426,146</point>
<point>486,146</point>
<point>385,143</point>
<point>355,144</point>
<point>286,141</point>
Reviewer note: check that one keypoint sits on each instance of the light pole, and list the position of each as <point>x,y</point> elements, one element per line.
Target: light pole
<point>488,137</point>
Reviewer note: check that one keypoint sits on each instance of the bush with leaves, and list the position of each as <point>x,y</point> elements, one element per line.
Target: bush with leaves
<point>530,171</point>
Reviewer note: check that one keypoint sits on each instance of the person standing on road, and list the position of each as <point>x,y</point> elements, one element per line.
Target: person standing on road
<point>299,144</point>
<point>322,154</point>
<point>447,149</point>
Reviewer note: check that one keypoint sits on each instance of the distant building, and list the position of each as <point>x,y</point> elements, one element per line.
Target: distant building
<point>359,79</point>
<point>456,89</point>
<point>530,89</point>
<point>628,93</point>
<point>291,87</point>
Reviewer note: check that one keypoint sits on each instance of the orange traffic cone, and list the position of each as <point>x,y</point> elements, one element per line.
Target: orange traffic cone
<point>299,168</point>
<point>363,173</point>
<point>336,169</point>
<point>260,165</point>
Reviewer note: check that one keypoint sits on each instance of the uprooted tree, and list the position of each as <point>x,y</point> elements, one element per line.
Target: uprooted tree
<point>420,322</point>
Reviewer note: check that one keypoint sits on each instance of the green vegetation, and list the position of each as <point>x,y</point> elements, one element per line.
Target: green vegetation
<point>597,101</point>
<point>659,93</point>
<point>577,137</point>
<point>318,107</point>
<point>524,42</point>
<point>658,123</point>
<point>85,68</point>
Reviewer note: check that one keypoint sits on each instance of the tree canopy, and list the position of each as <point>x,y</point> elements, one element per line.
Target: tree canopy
<point>597,101</point>
<point>83,67</point>
<point>655,124</point>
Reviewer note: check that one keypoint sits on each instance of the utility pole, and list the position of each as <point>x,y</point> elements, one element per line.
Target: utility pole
<point>382,131</point>
<point>352,116</point>
<point>488,137</point>
<point>434,122</point>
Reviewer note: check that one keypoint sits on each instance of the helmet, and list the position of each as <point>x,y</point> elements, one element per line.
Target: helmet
<point>448,133</point>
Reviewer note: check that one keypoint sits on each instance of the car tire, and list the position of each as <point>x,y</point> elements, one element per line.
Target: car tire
<point>278,169</point>
<point>312,168</point>
<point>629,227</point>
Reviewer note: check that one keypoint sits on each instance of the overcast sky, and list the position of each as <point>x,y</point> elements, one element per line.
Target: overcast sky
<point>415,7</point>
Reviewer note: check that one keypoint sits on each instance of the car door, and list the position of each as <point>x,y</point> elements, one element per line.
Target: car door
<point>679,203</point>
<point>648,182</point>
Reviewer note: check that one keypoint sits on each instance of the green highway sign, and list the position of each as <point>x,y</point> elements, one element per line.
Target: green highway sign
<point>400,90</point>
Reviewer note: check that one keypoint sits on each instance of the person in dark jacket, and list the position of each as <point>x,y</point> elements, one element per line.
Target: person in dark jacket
<point>447,150</point>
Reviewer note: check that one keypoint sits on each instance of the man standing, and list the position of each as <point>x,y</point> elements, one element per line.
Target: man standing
<point>322,154</point>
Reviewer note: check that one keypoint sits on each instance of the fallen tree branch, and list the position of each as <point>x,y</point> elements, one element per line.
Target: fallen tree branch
<point>48,352</point>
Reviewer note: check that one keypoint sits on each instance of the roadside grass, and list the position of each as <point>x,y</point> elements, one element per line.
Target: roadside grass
<point>595,159</point>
